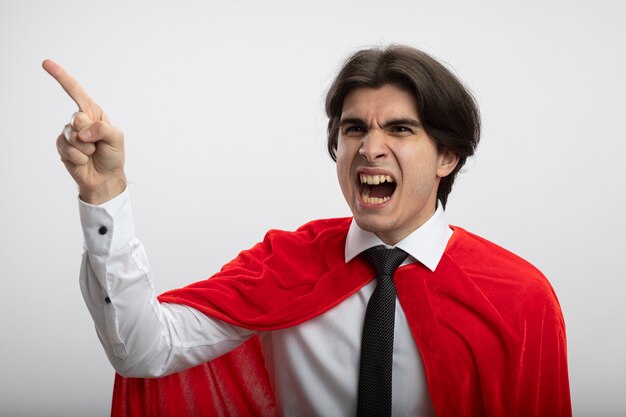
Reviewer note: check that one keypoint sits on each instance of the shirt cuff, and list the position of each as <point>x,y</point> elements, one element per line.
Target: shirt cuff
<point>107,227</point>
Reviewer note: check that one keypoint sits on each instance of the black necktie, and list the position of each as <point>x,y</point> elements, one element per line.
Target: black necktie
<point>377,343</point>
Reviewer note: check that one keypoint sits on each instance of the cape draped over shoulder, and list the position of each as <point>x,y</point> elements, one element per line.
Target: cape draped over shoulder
<point>487,324</point>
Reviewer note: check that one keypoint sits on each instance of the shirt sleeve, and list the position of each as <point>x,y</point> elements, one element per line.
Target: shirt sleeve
<point>141,337</point>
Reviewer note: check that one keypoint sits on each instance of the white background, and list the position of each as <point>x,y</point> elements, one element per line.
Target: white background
<point>222,106</point>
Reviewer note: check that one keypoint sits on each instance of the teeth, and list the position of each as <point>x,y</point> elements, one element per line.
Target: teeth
<point>375,179</point>
<point>372,200</point>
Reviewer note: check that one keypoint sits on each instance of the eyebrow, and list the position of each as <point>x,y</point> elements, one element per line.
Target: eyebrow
<point>405,121</point>
<point>393,122</point>
<point>351,121</point>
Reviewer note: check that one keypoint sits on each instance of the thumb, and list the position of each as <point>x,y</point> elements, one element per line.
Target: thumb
<point>102,131</point>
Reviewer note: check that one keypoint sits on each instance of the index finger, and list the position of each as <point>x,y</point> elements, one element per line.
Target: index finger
<point>69,84</point>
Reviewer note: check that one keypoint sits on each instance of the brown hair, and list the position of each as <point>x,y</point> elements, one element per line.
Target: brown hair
<point>446,109</point>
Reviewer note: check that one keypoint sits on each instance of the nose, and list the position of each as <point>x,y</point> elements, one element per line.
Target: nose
<point>373,146</point>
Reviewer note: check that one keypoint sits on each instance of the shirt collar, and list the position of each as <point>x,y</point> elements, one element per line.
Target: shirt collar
<point>426,244</point>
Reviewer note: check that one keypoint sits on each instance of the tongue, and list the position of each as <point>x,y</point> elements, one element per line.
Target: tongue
<point>382,190</point>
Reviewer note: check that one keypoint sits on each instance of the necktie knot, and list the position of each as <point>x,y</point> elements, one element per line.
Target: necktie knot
<point>385,260</point>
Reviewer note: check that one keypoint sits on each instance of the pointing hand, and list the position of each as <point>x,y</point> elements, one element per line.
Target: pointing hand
<point>90,147</point>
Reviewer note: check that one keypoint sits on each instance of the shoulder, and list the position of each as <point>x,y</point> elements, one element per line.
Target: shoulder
<point>313,230</point>
<point>317,239</point>
<point>495,268</point>
<point>336,225</point>
<point>473,251</point>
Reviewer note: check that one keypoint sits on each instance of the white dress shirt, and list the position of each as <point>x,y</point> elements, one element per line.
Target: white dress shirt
<point>313,367</point>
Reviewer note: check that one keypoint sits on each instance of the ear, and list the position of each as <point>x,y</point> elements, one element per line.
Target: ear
<point>447,163</point>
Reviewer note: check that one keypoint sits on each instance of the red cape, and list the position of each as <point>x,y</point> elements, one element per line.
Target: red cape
<point>487,323</point>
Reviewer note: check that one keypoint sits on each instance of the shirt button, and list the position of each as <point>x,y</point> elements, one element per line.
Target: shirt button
<point>103,230</point>
<point>107,300</point>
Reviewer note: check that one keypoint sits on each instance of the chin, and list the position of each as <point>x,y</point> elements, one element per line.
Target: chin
<point>373,225</point>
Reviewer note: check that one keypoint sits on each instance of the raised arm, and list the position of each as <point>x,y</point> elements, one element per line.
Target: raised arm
<point>141,337</point>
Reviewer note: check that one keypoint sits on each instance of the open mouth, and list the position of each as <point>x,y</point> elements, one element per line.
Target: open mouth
<point>376,189</point>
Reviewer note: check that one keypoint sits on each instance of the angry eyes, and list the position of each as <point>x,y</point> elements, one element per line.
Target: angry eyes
<point>361,130</point>
<point>399,127</point>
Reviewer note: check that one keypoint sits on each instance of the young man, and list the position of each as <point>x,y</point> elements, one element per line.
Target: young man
<point>474,330</point>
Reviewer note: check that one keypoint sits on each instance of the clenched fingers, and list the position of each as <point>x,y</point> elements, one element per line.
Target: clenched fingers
<point>72,137</point>
<point>90,131</point>
<point>102,131</point>
<point>80,120</point>
<point>69,153</point>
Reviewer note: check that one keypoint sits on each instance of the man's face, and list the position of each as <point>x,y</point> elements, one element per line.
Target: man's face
<point>388,167</point>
